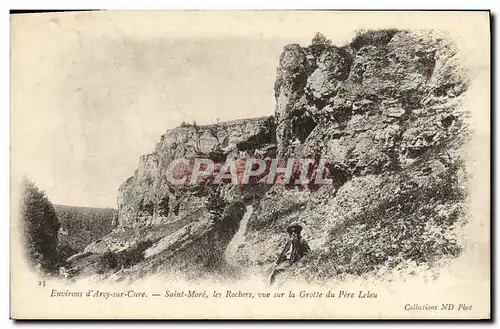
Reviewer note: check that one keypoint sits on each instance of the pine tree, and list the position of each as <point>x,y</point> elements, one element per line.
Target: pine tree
<point>40,227</point>
<point>215,203</point>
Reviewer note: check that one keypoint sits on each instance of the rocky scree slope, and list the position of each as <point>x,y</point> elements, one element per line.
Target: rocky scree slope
<point>386,112</point>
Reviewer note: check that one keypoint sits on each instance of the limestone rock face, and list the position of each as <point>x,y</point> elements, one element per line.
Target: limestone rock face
<point>386,111</point>
<point>396,96</point>
<point>293,71</point>
<point>148,198</point>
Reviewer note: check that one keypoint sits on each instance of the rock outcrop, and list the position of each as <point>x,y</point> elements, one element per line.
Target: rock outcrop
<point>147,198</point>
<point>386,112</point>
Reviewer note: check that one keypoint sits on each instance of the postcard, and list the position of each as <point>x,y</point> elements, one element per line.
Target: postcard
<point>250,165</point>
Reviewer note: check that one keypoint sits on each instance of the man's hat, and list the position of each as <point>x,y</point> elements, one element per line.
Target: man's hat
<point>295,226</point>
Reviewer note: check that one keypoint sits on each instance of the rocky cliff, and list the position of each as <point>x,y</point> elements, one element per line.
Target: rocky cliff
<point>147,198</point>
<point>386,112</point>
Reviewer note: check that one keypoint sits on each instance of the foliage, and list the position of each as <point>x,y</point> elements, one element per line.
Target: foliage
<point>215,203</point>
<point>83,225</point>
<point>230,221</point>
<point>64,251</point>
<point>123,259</point>
<point>319,43</point>
<point>372,37</point>
<point>40,227</point>
<point>184,124</point>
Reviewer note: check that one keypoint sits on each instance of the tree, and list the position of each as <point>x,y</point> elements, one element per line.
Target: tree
<point>215,203</point>
<point>40,227</point>
<point>319,43</point>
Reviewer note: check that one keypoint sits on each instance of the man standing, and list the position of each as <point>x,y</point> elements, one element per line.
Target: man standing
<point>295,248</point>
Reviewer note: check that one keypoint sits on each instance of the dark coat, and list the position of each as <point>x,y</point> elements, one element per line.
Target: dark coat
<point>297,252</point>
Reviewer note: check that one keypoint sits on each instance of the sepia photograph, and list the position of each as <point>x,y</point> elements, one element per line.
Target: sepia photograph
<point>250,165</point>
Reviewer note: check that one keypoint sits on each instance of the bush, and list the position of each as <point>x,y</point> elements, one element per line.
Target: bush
<point>123,259</point>
<point>372,37</point>
<point>107,262</point>
<point>64,251</point>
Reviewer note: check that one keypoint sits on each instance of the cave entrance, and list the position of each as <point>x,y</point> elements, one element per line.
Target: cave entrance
<point>303,127</point>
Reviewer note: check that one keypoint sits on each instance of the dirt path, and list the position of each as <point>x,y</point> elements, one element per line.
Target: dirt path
<point>231,254</point>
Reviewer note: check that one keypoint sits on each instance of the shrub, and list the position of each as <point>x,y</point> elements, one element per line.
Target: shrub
<point>372,37</point>
<point>123,259</point>
<point>215,203</point>
<point>108,261</point>
<point>64,251</point>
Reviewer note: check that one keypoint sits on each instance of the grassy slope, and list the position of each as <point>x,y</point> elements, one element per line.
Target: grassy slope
<point>413,223</point>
